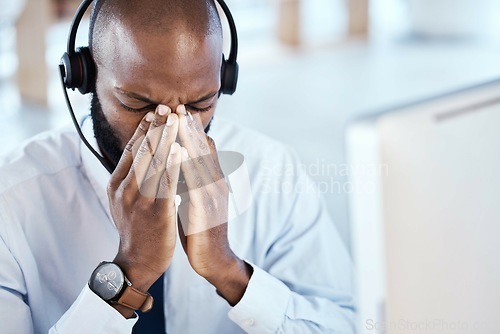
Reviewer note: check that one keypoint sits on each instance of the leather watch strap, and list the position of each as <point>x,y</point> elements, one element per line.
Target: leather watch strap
<point>135,299</point>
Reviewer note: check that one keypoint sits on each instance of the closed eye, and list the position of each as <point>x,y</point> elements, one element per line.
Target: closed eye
<point>153,107</point>
<point>139,110</point>
<point>199,109</point>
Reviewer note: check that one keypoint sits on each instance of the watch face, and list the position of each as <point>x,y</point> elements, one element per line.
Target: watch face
<point>107,280</point>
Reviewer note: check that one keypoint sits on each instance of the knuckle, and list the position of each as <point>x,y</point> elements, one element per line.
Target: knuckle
<point>220,174</point>
<point>203,146</point>
<point>153,211</point>
<point>169,179</point>
<point>149,145</point>
<point>142,205</point>
<point>143,126</point>
<point>130,145</point>
<point>210,141</point>
<point>143,149</point>
<point>156,162</point>
<point>127,184</point>
<point>112,184</point>
<point>156,122</point>
<point>169,164</point>
<point>166,180</point>
<point>210,204</point>
<point>110,189</point>
<point>163,185</point>
<point>200,161</point>
<point>199,182</point>
<point>127,198</point>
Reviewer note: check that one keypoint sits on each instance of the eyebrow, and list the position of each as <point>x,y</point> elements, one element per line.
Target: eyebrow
<point>146,100</point>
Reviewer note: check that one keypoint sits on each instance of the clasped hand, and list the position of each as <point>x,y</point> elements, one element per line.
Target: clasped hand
<point>142,193</point>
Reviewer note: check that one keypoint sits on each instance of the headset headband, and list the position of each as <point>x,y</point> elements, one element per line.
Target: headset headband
<point>233,53</point>
<point>80,71</point>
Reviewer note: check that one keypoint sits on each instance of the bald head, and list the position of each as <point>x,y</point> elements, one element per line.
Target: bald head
<point>195,18</point>
<point>152,52</point>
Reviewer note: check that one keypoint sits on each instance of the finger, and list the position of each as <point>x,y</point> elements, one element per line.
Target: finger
<point>194,181</point>
<point>151,182</point>
<point>194,139</point>
<point>211,211</point>
<point>157,124</point>
<point>213,152</point>
<point>123,168</point>
<point>168,182</point>
<point>191,133</point>
<point>147,148</point>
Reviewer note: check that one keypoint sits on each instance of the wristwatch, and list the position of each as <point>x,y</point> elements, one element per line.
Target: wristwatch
<point>109,282</point>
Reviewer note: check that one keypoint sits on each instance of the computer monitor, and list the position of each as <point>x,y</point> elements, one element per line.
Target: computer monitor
<point>425,214</point>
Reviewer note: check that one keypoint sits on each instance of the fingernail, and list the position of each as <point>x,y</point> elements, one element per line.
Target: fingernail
<point>170,120</point>
<point>150,117</point>
<point>190,116</point>
<point>174,148</point>
<point>163,110</point>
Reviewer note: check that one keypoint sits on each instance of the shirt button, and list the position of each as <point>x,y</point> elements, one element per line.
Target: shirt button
<point>248,322</point>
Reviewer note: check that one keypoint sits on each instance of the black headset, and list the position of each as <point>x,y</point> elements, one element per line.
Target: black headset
<point>78,70</point>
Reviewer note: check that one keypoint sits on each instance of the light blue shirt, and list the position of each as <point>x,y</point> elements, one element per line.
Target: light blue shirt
<point>55,227</point>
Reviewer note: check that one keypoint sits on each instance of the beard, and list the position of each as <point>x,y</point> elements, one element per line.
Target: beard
<point>105,135</point>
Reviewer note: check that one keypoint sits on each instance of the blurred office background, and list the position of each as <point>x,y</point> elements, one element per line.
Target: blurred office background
<point>307,67</point>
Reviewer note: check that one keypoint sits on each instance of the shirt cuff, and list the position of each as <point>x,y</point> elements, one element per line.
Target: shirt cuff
<point>263,306</point>
<point>91,314</point>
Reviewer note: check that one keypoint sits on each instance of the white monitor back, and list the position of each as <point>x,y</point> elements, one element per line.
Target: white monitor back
<point>425,215</point>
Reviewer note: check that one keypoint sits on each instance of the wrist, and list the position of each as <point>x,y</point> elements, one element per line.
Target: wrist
<point>232,281</point>
<point>140,276</point>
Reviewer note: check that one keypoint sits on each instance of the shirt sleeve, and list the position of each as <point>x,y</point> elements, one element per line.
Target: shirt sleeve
<point>15,315</point>
<point>304,282</point>
<point>90,314</point>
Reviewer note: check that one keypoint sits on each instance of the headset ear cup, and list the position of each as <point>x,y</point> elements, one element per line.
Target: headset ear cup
<point>72,70</point>
<point>229,76</point>
<point>88,70</point>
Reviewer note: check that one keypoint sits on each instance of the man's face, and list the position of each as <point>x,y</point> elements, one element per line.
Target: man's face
<point>138,71</point>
